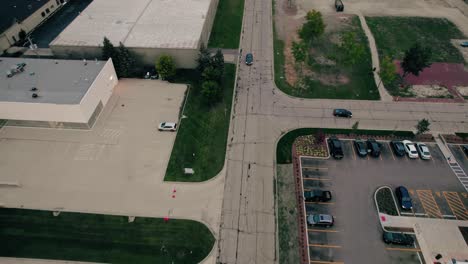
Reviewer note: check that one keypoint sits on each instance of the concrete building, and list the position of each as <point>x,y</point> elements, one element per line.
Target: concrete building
<point>54,93</point>
<point>147,27</point>
<point>23,15</point>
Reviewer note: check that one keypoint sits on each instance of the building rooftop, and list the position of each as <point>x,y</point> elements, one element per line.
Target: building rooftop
<point>57,81</point>
<point>138,23</point>
<point>17,10</point>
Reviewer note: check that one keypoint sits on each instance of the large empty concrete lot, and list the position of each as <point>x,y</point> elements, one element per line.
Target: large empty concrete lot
<point>357,236</point>
<point>116,168</point>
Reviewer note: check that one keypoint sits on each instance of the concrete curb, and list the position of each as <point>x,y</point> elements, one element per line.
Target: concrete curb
<point>377,205</point>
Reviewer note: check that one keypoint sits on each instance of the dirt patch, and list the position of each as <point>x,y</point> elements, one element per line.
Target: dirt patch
<point>427,91</point>
<point>287,215</point>
<point>463,90</point>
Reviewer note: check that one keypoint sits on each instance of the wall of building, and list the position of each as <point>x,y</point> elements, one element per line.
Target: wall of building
<point>29,24</point>
<point>41,112</point>
<point>206,32</point>
<point>184,58</point>
<point>100,90</point>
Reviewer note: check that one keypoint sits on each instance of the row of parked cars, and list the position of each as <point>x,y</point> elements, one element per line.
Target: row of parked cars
<point>324,220</point>
<point>373,148</point>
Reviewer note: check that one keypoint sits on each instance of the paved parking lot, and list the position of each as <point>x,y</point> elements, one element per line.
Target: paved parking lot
<point>462,160</point>
<point>356,236</point>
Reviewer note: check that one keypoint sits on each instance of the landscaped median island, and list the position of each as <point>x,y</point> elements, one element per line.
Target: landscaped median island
<point>102,238</point>
<point>227,25</point>
<point>284,146</point>
<point>385,201</point>
<point>202,135</point>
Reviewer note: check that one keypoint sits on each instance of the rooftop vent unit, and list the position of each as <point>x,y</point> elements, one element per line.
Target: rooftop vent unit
<point>34,95</point>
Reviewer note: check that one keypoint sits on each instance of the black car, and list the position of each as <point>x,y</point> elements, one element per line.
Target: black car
<point>398,238</point>
<point>361,147</point>
<point>317,196</point>
<point>398,148</point>
<point>249,59</point>
<point>465,149</point>
<point>404,198</point>
<point>336,149</point>
<point>342,113</point>
<point>374,147</point>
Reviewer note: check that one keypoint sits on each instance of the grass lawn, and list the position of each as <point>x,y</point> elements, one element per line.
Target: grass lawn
<point>203,133</point>
<point>227,25</point>
<point>102,238</point>
<point>284,146</point>
<point>385,201</point>
<point>360,83</point>
<point>395,35</point>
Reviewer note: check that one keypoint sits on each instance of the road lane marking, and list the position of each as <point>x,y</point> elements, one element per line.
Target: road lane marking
<point>324,246</point>
<point>429,203</point>
<point>391,152</point>
<point>314,168</point>
<point>354,154</point>
<point>323,230</point>
<point>404,249</point>
<point>316,179</point>
<point>464,154</point>
<point>456,205</point>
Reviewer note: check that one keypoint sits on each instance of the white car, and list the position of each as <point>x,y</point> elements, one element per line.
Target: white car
<point>410,149</point>
<point>423,151</point>
<point>167,126</point>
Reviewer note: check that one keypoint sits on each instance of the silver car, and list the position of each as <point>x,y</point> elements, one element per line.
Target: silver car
<point>423,151</point>
<point>320,220</point>
<point>167,126</point>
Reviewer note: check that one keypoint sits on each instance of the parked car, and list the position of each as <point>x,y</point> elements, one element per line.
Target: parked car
<point>336,149</point>
<point>317,196</point>
<point>320,220</point>
<point>339,7</point>
<point>342,113</point>
<point>167,126</point>
<point>464,44</point>
<point>404,198</point>
<point>410,149</point>
<point>374,147</point>
<point>249,59</point>
<point>423,151</point>
<point>398,148</point>
<point>465,149</point>
<point>361,147</point>
<point>398,238</point>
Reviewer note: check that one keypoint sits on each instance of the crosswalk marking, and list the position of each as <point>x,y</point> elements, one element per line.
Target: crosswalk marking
<point>460,173</point>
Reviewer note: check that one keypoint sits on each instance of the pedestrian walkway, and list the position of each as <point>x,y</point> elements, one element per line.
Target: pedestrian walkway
<point>456,168</point>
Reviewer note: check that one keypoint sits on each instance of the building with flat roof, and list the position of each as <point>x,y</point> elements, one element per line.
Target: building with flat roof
<point>147,27</point>
<point>23,15</point>
<point>54,93</point>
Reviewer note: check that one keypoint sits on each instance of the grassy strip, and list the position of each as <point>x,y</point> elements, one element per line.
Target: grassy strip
<point>288,227</point>
<point>395,35</point>
<point>227,25</point>
<point>360,85</point>
<point>102,238</point>
<point>385,202</point>
<point>284,147</point>
<point>201,140</point>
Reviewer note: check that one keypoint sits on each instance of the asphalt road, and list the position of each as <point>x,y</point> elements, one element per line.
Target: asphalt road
<point>357,235</point>
<point>262,113</point>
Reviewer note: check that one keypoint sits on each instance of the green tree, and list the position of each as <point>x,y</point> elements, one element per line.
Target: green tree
<point>422,126</point>
<point>212,74</point>
<point>22,35</point>
<point>353,49</point>
<point>204,59</point>
<point>126,61</point>
<point>416,59</point>
<point>387,70</point>
<point>299,51</point>
<point>210,91</point>
<point>313,27</point>
<point>108,50</point>
<point>217,61</point>
<point>166,67</point>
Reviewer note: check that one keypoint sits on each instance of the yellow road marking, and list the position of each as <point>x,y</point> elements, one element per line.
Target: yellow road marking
<point>404,249</point>
<point>456,205</point>
<point>411,191</point>
<point>323,230</point>
<point>429,203</point>
<point>354,154</point>
<point>391,151</point>
<point>324,246</point>
<point>325,262</point>
<point>314,168</point>
<point>464,154</point>
<point>316,179</point>
<point>437,193</point>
